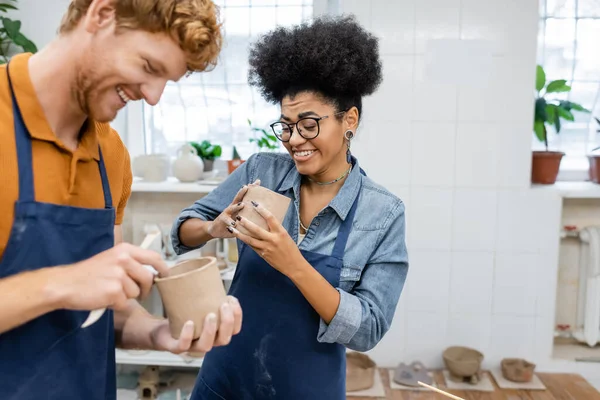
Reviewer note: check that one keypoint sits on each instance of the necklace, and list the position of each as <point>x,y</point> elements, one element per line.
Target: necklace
<point>333,181</point>
<point>301,224</point>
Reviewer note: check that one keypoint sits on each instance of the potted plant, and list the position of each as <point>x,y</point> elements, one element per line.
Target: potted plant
<point>594,160</point>
<point>208,152</point>
<point>549,112</point>
<point>265,140</point>
<point>235,161</point>
<point>11,35</point>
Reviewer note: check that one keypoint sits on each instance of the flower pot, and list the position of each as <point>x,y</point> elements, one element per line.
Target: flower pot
<point>594,169</point>
<point>208,165</point>
<point>360,372</point>
<point>191,291</point>
<point>545,166</point>
<point>276,203</point>
<point>233,164</point>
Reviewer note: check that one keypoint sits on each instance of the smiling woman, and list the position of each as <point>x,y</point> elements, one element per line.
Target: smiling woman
<point>330,275</point>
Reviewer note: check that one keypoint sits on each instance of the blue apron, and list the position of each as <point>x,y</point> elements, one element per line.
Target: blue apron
<point>51,357</point>
<point>276,355</point>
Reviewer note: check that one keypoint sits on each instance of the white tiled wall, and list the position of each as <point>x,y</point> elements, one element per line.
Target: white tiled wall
<point>450,131</point>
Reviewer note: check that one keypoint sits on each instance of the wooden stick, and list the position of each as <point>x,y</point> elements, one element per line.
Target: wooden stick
<point>440,391</point>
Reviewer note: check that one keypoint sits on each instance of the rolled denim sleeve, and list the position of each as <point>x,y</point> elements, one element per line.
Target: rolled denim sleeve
<point>365,313</point>
<point>209,207</point>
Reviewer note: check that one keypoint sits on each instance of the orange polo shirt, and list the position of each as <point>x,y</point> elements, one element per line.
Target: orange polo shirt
<point>61,176</point>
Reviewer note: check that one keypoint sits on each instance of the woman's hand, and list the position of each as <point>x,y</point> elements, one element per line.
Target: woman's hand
<point>275,245</point>
<point>218,227</point>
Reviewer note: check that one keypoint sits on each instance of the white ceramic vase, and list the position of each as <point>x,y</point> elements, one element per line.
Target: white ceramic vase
<point>188,167</point>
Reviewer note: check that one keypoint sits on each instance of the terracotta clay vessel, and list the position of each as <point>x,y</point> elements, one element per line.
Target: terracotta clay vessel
<point>517,369</point>
<point>360,372</point>
<point>191,291</point>
<point>463,363</point>
<point>276,203</point>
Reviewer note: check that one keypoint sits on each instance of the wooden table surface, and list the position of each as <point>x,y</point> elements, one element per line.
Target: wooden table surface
<point>559,387</point>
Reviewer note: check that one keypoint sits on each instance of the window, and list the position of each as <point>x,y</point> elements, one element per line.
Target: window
<point>567,50</point>
<point>217,105</point>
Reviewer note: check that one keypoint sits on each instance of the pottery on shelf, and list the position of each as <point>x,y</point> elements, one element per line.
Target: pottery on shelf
<point>148,383</point>
<point>191,291</point>
<point>517,369</point>
<point>463,363</point>
<point>276,203</point>
<point>188,167</point>
<point>360,372</point>
<point>152,167</point>
<point>411,375</point>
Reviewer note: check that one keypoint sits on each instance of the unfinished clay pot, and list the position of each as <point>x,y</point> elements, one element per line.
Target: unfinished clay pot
<point>191,291</point>
<point>463,363</point>
<point>517,369</point>
<point>360,372</point>
<point>276,203</point>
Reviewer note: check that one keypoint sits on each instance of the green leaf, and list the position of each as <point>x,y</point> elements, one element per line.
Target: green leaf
<point>540,79</point>
<point>12,27</point>
<point>540,110</point>
<point>539,129</point>
<point>564,113</point>
<point>557,121</point>
<point>27,45</point>
<point>550,112</point>
<point>559,85</point>
<point>569,105</point>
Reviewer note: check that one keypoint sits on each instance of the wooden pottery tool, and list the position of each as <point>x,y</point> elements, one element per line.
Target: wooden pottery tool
<point>95,315</point>
<point>440,391</point>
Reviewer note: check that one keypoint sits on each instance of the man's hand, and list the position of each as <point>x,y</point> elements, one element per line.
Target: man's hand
<point>108,279</point>
<point>212,336</point>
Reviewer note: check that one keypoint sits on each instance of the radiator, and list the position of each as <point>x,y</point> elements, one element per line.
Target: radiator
<point>587,329</point>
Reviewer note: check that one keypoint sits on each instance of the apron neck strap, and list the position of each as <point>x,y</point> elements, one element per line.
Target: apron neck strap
<point>23,142</point>
<point>105,185</point>
<point>25,158</point>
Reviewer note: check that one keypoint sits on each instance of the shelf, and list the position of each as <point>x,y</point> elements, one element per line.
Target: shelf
<point>161,358</point>
<point>172,185</point>
<point>573,190</point>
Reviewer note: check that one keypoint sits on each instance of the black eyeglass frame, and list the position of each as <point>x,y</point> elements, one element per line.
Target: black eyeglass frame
<point>295,124</point>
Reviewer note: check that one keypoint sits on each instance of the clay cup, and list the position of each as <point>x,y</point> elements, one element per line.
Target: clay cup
<point>276,203</point>
<point>191,291</point>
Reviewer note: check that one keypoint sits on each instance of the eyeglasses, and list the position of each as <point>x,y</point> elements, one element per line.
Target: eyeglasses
<point>307,127</point>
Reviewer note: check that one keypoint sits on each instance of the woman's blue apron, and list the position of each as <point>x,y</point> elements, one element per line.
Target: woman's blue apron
<point>276,355</point>
<point>51,357</point>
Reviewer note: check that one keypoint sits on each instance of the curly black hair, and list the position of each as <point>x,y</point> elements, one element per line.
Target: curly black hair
<point>332,56</point>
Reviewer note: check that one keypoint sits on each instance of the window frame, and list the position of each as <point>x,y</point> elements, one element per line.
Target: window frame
<point>574,168</point>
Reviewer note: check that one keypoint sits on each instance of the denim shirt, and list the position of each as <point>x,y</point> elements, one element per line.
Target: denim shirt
<point>375,262</point>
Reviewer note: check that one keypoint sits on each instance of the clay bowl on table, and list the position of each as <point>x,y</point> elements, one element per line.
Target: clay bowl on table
<point>517,369</point>
<point>276,203</point>
<point>462,362</point>
<point>191,291</point>
<point>360,372</point>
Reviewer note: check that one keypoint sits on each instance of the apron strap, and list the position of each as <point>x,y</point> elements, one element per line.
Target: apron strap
<point>24,158</point>
<point>105,186</point>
